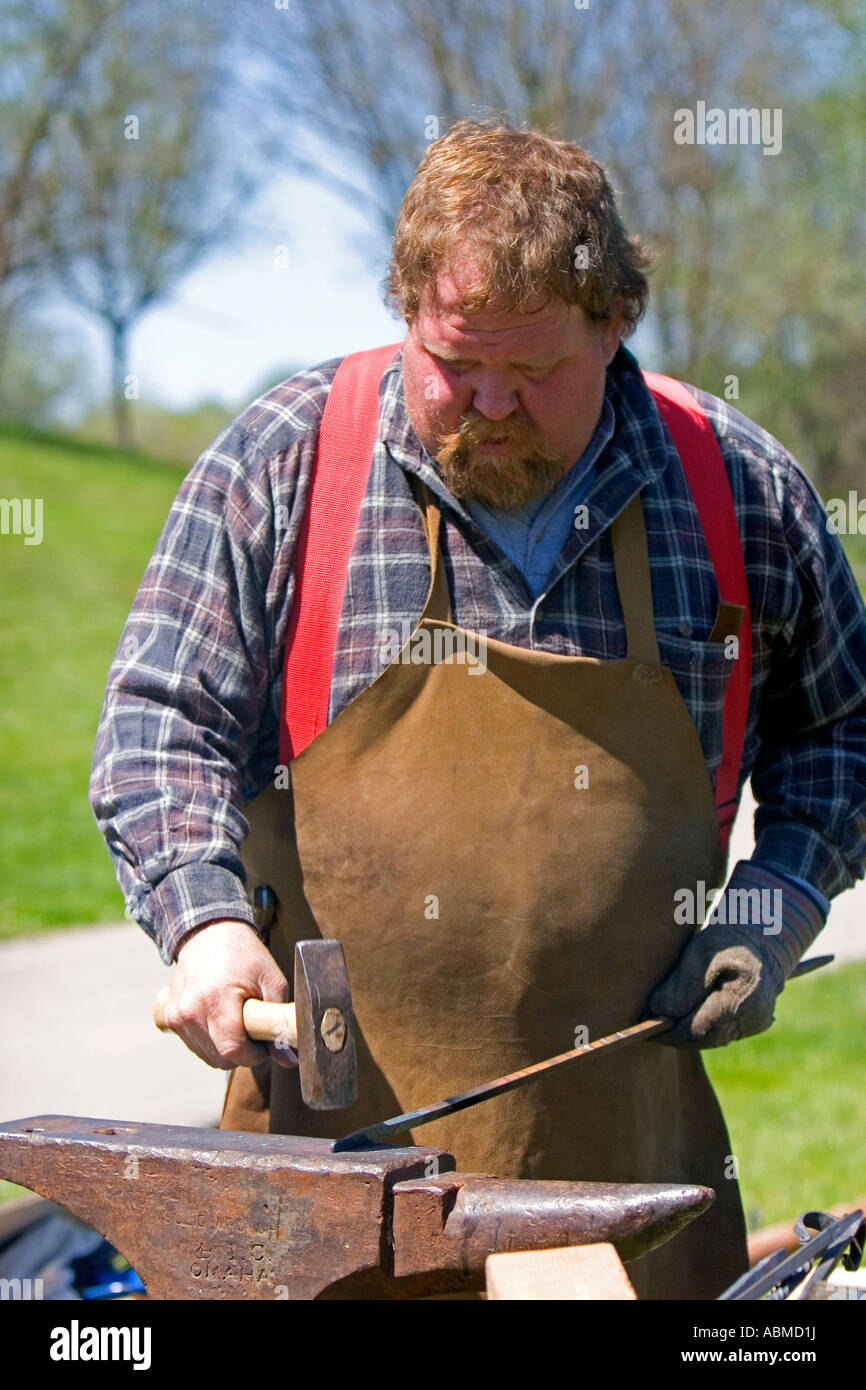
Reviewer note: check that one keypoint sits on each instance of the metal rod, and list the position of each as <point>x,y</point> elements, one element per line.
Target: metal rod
<point>650,1028</point>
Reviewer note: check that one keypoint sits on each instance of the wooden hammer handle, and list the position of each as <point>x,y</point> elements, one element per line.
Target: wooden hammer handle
<point>264,1022</point>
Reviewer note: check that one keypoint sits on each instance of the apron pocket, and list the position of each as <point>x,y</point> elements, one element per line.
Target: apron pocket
<point>701,671</point>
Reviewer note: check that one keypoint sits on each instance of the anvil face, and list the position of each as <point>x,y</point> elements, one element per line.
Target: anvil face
<point>211,1214</point>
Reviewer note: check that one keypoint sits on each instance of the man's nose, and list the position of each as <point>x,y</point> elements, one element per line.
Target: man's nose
<point>494,398</point>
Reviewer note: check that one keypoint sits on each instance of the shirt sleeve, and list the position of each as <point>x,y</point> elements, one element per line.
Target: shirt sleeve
<point>189,727</point>
<point>810,775</point>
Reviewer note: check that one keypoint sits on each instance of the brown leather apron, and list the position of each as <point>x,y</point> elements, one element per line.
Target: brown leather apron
<point>490,904</point>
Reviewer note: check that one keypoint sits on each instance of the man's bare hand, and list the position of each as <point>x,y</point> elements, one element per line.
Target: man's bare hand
<point>219,966</point>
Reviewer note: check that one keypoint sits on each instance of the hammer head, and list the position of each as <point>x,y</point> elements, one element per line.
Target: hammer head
<point>326,1030</point>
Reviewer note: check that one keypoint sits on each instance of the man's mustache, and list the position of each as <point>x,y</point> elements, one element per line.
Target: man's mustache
<point>478,429</point>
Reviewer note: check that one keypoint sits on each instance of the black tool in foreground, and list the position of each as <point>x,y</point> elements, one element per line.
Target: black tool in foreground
<point>777,1276</point>
<point>382,1132</point>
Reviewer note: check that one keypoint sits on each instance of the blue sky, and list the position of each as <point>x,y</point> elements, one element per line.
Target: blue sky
<point>237,317</point>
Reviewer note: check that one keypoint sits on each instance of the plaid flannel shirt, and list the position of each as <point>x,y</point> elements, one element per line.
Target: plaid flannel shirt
<point>189,729</point>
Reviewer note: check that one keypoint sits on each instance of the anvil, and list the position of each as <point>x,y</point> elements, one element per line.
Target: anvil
<point>224,1214</point>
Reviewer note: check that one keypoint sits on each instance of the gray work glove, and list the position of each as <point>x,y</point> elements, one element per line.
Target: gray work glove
<point>723,987</point>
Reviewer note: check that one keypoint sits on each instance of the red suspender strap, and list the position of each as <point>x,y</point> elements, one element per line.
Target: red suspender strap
<point>704,468</point>
<point>342,469</point>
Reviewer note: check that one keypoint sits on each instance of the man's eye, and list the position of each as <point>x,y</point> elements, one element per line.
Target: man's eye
<point>535,373</point>
<point>461,366</point>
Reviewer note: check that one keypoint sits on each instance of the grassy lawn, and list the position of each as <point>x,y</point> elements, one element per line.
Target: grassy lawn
<point>8,1190</point>
<point>855,547</point>
<point>794,1098</point>
<point>62,607</point>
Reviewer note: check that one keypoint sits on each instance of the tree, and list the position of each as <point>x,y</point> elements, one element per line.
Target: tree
<point>40,377</point>
<point>143,178</point>
<point>44,48</point>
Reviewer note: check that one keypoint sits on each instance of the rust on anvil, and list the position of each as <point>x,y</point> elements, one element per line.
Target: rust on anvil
<point>211,1214</point>
<point>456,1220</point>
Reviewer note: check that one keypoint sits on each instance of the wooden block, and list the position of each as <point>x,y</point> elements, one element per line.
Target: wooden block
<point>583,1272</point>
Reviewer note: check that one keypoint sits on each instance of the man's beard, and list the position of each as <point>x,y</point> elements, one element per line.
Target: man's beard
<point>528,470</point>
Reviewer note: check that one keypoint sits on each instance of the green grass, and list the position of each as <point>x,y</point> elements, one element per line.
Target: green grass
<point>855,547</point>
<point>8,1190</point>
<point>795,1099</point>
<point>62,607</point>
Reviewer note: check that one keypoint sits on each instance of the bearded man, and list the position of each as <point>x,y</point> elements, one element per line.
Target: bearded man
<point>500,857</point>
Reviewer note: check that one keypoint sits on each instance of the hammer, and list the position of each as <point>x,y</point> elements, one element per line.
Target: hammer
<point>318,1025</point>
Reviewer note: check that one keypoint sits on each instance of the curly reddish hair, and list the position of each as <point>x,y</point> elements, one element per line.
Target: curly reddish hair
<point>538,215</point>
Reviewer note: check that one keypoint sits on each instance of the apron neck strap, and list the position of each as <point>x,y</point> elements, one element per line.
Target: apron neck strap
<point>631,562</point>
<point>438,605</point>
<point>633,581</point>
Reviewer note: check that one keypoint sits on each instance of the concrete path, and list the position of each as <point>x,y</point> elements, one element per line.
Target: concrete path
<point>76,1035</point>
<point>845,933</point>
